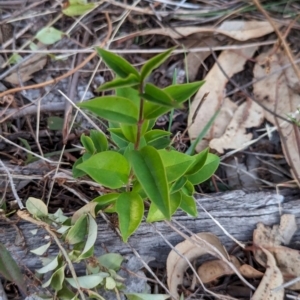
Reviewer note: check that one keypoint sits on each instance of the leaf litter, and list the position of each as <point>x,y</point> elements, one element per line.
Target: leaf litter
<point>280,263</point>
<point>236,31</point>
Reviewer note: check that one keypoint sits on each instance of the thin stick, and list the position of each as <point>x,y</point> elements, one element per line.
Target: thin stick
<point>12,185</point>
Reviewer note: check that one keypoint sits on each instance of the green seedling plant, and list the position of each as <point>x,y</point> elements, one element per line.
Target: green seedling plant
<point>137,164</point>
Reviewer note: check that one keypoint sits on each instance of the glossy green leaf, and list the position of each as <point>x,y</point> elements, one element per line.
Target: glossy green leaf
<point>88,144</point>
<point>49,35</point>
<point>108,168</point>
<point>88,281</point>
<point>158,96</point>
<point>155,214</point>
<point>86,156</point>
<point>113,108</point>
<point>154,62</point>
<point>118,137</point>
<point>188,204</point>
<point>36,207</point>
<point>129,93</point>
<point>137,188</point>
<point>117,63</point>
<point>111,261</point>
<point>76,172</point>
<point>91,238</point>
<point>78,9</point>
<point>150,172</point>
<point>199,161</point>
<point>186,90</point>
<point>209,168</point>
<point>157,138</point>
<point>128,150</point>
<point>130,208</point>
<point>178,184</point>
<point>10,270</point>
<point>99,139</point>
<point>176,163</point>
<point>151,124</point>
<point>182,92</point>
<point>107,199</point>
<point>147,296</point>
<point>130,80</point>
<point>78,231</point>
<point>130,131</point>
<point>188,189</point>
<point>153,111</point>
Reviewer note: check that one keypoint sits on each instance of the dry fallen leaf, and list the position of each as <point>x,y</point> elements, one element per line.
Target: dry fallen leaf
<point>279,92</point>
<point>239,30</point>
<point>288,260</point>
<point>26,70</point>
<point>6,32</point>
<point>213,269</point>
<point>271,238</point>
<point>195,59</point>
<point>272,279</point>
<point>249,272</point>
<point>190,249</point>
<point>215,82</point>
<point>248,115</point>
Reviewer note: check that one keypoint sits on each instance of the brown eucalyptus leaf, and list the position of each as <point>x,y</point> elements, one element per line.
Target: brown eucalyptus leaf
<point>280,93</point>
<point>249,272</point>
<point>213,269</point>
<point>239,30</point>
<point>288,261</point>
<point>247,115</point>
<point>215,82</point>
<point>271,238</point>
<point>26,70</point>
<point>195,59</point>
<point>272,279</point>
<point>190,249</point>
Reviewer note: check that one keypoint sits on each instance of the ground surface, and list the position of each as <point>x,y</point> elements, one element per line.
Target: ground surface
<point>41,120</point>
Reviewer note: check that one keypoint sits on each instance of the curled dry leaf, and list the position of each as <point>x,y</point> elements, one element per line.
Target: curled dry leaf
<point>288,260</point>
<point>25,71</point>
<point>213,269</point>
<point>248,115</point>
<point>232,62</point>
<point>280,93</point>
<point>271,238</point>
<point>272,279</point>
<point>249,272</point>
<point>239,30</point>
<point>196,246</point>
